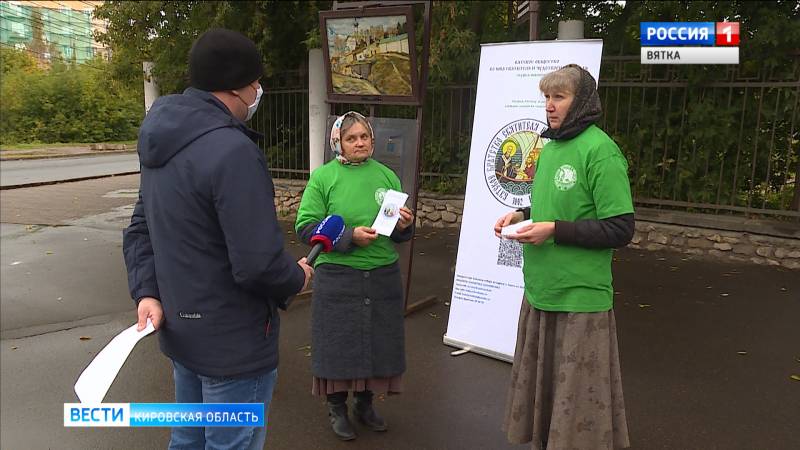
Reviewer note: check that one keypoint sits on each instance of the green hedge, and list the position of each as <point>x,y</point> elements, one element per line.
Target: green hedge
<point>64,102</point>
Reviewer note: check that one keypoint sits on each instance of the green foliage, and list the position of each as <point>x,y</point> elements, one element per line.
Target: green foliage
<point>12,61</point>
<point>163,32</point>
<point>448,158</point>
<point>65,103</point>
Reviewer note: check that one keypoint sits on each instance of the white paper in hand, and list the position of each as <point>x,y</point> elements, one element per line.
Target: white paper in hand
<point>511,230</point>
<point>390,212</point>
<point>96,379</point>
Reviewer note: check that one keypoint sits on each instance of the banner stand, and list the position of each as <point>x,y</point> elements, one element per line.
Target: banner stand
<point>479,350</point>
<point>488,285</point>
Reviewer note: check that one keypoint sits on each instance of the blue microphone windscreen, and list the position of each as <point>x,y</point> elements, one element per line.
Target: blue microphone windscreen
<point>332,227</point>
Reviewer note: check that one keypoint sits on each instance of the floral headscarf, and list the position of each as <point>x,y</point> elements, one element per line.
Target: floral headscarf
<point>336,136</point>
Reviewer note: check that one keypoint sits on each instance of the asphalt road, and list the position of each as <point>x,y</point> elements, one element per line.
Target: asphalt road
<point>28,172</point>
<point>707,348</point>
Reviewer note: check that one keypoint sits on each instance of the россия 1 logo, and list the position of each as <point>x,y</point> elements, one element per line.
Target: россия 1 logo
<point>689,42</point>
<point>511,159</point>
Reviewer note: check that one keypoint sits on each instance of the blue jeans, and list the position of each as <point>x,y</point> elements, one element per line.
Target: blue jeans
<point>191,387</point>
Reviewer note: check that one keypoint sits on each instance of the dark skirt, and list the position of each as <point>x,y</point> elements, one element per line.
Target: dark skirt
<point>566,386</point>
<point>357,323</point>
<point>386,386</point>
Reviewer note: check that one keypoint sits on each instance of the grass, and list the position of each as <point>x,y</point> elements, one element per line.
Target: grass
<point>35,146</point>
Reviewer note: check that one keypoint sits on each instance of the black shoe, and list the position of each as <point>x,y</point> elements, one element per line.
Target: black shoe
<point>340,422</point>
<point>366,414</point>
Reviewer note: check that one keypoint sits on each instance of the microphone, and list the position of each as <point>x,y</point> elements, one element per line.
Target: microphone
<point>325,236</point>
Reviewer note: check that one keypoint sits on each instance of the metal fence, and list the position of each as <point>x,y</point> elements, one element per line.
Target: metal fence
<point>715,139</point>
<point>718,141</point>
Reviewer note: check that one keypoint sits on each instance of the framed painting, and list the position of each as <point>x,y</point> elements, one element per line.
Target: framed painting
<point>370,55</point>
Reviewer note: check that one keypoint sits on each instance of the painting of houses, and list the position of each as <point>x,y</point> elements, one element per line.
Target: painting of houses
<point>370,53</point>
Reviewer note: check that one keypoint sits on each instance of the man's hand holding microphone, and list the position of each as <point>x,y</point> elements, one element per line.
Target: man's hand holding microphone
<point>308,270</point>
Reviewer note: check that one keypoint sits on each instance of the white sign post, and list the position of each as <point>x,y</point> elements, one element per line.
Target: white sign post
<point>509,117</point>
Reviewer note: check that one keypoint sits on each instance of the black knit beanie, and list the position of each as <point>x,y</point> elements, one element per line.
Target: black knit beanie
<point>222,60</point>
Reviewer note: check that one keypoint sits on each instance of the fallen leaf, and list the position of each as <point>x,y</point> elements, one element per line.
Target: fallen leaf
<point>60,298</point>
<point>434,315</point>
<point>644,305</point>
<point>617,292</point>
<point>308,354</point>
<point>421,253</point>
<point>724,294</point>
<point>305,347</point>
<point>48,252</point>
<point>15,263</point>
<point>741,353</point>
<point>673,268</point>
<point>783,289</point>
<point>14,347</point>
<point>446,303</point>
<point>795,377</point>
<point>85,338</point>
<point>662,259</point>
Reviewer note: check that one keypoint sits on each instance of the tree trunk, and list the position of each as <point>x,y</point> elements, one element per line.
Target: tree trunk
<point>796,198</point>
<point>622,23</point>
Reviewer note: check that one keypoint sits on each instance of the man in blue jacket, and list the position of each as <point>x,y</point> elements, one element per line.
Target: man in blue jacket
<point>204,250</point>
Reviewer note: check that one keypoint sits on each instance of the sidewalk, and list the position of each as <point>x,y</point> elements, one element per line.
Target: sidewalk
<point>64,152</point>
<point>707,353</point>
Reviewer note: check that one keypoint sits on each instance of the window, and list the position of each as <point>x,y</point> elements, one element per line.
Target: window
<point>18,28</point>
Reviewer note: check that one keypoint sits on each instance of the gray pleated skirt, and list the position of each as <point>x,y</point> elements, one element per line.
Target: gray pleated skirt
<point>566,386</point>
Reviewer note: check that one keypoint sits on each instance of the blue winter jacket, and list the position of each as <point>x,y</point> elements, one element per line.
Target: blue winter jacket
<point>204,238</point>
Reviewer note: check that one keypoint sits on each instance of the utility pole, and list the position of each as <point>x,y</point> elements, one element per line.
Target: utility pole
<point>526,10</point>
<point>533,20</point>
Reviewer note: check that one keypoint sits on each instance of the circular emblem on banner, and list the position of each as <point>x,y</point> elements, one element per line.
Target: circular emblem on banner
<point>511,159</point>
<point>379,194</point>
<point>566,177</point>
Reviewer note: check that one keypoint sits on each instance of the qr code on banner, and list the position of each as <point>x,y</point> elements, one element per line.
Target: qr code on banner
<point>510,253</point>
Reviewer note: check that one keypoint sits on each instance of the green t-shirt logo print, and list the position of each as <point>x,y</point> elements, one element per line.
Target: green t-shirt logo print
<point>566,177</point>
<point>379,194</point>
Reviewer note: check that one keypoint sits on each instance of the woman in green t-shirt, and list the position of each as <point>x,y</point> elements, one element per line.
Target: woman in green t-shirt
<point>357,335</point>
<point>566,387</point>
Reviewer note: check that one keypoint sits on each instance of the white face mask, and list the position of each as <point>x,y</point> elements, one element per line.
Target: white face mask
<point>251,109</point>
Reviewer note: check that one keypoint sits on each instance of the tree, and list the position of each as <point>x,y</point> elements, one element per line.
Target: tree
<point>163,31</point>
<point>13,60</point>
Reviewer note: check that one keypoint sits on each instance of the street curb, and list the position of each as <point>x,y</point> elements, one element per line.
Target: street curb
<point>69,155</point>
<point>47,183</point>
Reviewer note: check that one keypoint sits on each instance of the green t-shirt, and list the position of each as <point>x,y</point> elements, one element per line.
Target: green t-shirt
<point>585,177</point>
<point>354,192</point>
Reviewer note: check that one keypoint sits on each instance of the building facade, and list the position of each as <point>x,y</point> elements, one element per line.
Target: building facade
<point>52,29</point>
